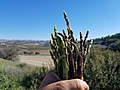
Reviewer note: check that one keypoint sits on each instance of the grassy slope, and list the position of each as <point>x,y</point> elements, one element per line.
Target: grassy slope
<point>16,76</point>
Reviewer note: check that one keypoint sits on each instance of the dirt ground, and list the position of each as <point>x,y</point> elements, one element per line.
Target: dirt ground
<point>36,60</point>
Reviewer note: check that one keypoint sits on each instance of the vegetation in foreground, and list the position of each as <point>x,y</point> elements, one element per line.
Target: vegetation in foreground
<point>103,70</point>
<point>15,76</point>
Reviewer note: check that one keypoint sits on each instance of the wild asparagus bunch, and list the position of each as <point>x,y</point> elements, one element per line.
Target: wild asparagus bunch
<point>68,54</point>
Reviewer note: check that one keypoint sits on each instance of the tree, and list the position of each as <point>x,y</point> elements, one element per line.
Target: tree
<point>115,46</point>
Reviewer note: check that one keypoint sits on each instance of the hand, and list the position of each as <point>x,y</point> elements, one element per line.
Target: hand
<point>52,82</point>
<point>74,84</point>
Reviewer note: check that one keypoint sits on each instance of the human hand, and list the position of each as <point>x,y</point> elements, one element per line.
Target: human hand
<point>52,82</point>
<point>74,84</point>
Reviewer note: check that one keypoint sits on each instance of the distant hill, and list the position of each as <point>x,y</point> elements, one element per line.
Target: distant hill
<point>24,42</point>
<point>111,42</point>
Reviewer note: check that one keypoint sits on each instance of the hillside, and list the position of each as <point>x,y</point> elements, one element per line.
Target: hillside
<point>110,42</point>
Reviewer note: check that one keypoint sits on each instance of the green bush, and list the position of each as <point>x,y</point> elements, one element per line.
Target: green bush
<point>14,76</point>
<point>103,69</point>
<point>33,80</point>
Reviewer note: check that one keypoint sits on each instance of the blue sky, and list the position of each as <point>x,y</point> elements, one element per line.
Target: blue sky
<point>35,19</point>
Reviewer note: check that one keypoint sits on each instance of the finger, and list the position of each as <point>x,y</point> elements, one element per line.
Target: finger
<point>86,87</point>
<point>80,84</point>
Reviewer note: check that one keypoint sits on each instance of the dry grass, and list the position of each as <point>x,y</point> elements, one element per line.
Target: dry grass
<point>37,60</point>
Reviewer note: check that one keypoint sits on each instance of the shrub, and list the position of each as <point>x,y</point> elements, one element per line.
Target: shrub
<point>15,76</point>
<point>37,52</point>
<point>9,53</point>
<point>28,52</point>
<point>33,80</point>
<point>103,70</point>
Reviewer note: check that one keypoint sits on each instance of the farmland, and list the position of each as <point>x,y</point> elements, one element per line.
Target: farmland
<point>43,58</point>
<point>22,64</point>
<point>37,60</point>
<point>30,52</point>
